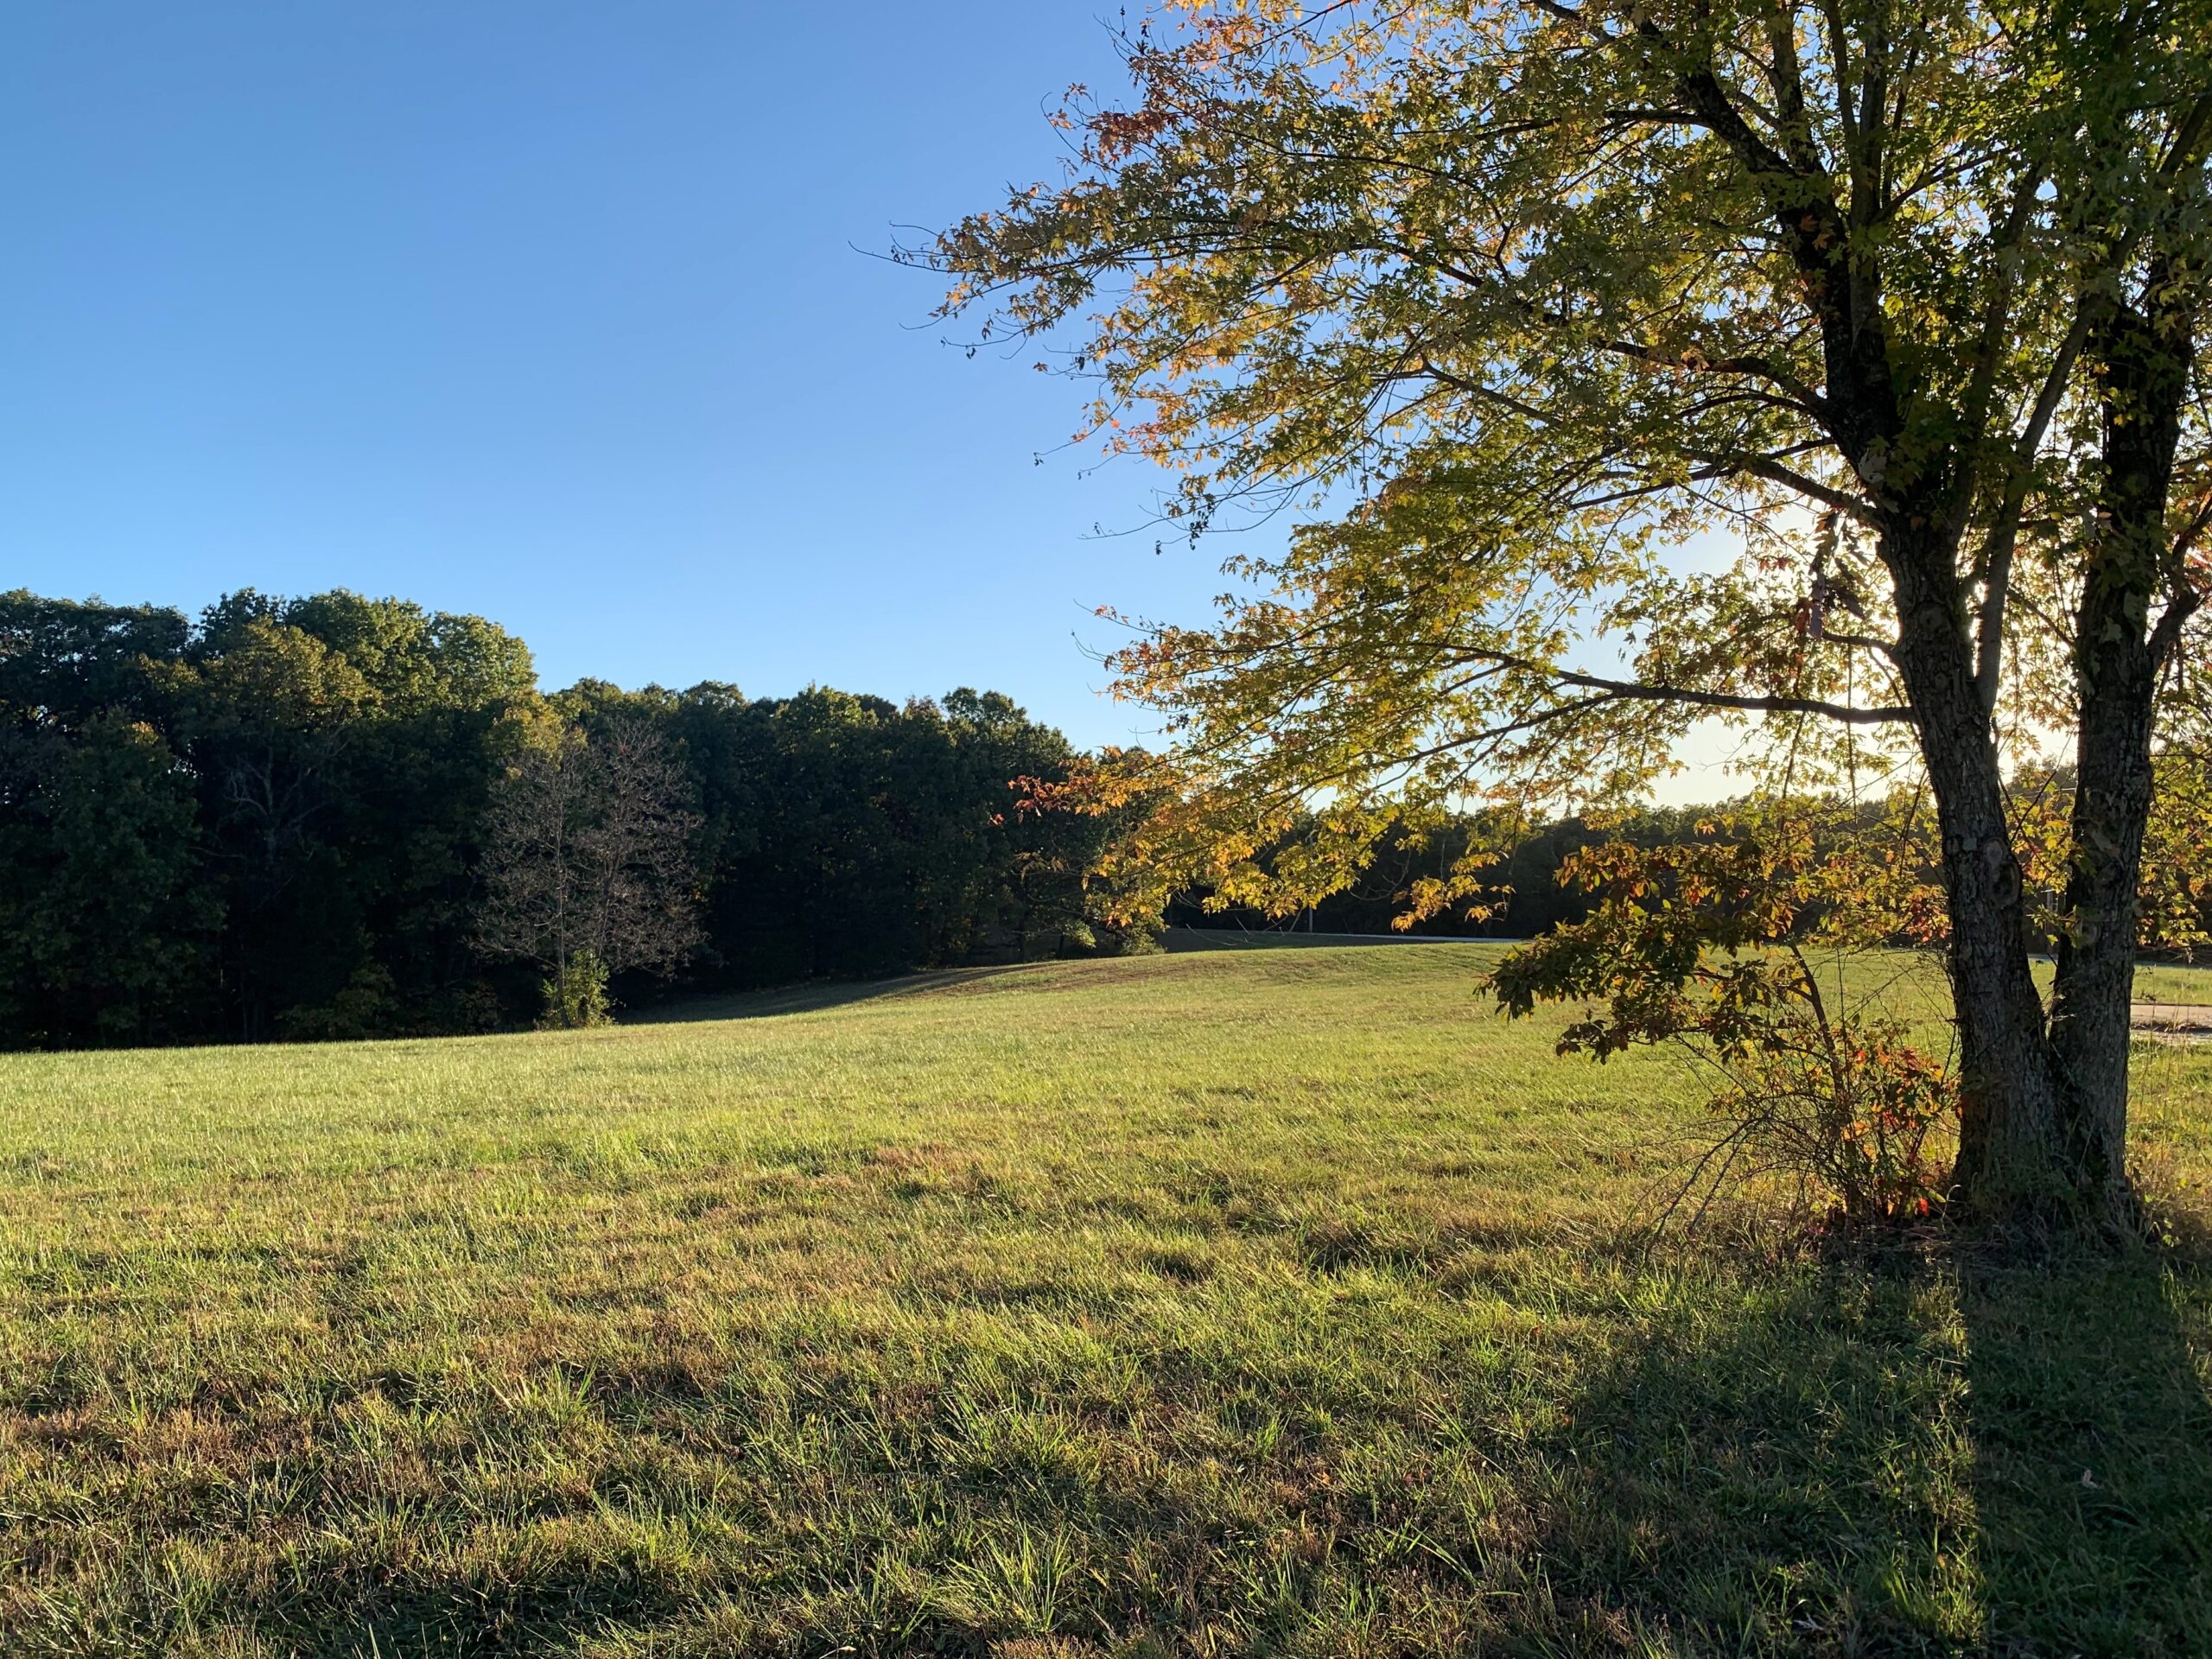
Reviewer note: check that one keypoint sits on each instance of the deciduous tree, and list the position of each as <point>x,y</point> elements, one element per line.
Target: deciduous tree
<point>588,853</point>
<point>1907,303</point>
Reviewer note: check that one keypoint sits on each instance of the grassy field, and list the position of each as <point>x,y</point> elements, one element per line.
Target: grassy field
<point>1254,1302</point>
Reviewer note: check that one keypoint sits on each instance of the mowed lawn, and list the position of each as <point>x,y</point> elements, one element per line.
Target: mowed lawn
<point>1260,1302</point>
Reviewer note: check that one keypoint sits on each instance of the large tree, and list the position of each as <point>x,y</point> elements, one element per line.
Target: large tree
<point>588,859</point>
<point>1527,305</point>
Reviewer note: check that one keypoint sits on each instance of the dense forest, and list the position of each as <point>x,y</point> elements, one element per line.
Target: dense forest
<point>299,818</point>
<point>270,823</point>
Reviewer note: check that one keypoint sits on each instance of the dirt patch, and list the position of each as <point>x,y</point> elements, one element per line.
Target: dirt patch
<point>2173,1022</point>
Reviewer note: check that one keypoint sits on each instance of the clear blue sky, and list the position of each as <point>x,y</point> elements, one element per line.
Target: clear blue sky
<point>551,312</point>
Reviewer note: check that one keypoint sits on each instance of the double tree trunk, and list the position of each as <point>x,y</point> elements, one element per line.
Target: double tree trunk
<point>2044,1099</point>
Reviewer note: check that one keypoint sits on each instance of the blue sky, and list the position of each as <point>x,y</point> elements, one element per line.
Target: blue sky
<point>553,312</point>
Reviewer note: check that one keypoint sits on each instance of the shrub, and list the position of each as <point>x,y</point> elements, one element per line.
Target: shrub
<point>1846,1110</point>
<point>1705,946</point>
<point>575,995</point>
<point>368,1005</point>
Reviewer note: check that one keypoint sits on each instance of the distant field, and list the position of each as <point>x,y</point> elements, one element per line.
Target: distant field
<point>1267,1302</point>
<point>1178,939</point>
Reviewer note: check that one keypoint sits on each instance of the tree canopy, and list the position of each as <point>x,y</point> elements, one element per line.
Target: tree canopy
<point>1835,366</point>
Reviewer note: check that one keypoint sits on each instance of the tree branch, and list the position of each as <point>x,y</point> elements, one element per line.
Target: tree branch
<point>1790,478</point>
<point>1980,388</point>
<point>2005,533</point>
<point>1641,691</point>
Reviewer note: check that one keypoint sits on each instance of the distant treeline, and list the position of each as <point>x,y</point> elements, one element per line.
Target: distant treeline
<point>268,822</point>
<point>1527,896</point>
<point>273,822</point>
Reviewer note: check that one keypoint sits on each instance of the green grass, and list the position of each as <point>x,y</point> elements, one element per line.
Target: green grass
<point>2166,982</point>
<point>1267,1302</point>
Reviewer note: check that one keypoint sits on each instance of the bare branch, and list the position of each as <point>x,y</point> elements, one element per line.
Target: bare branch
<point>2003,536</point>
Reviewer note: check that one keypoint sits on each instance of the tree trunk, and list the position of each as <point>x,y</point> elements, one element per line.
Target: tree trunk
<point>2142,388</point>
<point>2091,1002</point>
<point>2042,1127</point>
<point>2010,1107</point>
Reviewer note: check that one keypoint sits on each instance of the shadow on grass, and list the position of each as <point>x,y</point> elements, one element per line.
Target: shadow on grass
<point>481,1619</point>
<point>1931,1457</point>
<point>1779,1471</point>
<point>811,997</point>
<point>1864,1460</point>
<point>2093,1455</point>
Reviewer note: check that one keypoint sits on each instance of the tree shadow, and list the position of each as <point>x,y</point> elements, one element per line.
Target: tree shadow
<point>1775,1468</point>
<point>1927,1455</point>
<point>2093,1453</point>
<point>1867,1458</point>
<point>426,1616</point>
<point>811,997</point>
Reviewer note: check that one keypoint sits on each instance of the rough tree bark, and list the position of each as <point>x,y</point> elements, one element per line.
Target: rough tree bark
<point>2146,362</point>
<point>2010,1104</point>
